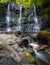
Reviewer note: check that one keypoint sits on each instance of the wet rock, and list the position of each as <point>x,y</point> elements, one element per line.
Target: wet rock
<point>24,42</point>
<point>44,37</point>
<point>2,23</point>
<point>41,47</point>
<point>34,36</point>
<point>17,33</point>
<point>28,58</point>
<point>12,41</point>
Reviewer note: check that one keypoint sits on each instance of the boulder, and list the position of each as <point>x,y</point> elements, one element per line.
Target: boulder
<point>34,36</point>
<point>17,33</point>
<point>28,58</point>
<point>44,37</point>
<point>24,42</point>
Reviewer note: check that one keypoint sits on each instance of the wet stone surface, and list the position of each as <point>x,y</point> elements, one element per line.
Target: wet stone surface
<point>5,55</point>
<point>7,61</point>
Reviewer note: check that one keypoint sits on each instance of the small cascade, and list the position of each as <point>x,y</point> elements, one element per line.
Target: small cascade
<point>20,18</point>
<point>8,18</point>
<point>36,24</point>
<point>33,25</point>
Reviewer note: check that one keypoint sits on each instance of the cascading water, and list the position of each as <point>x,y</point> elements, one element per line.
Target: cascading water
<point>33,21</point>
<point>20,18</point>
<point>8,18</point>
<point>36,24</point>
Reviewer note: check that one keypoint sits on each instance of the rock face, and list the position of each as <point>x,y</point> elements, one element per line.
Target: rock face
<point>11,52</point>
<point>5,58</point>
<point>8,38</point>
<point>2,23</point>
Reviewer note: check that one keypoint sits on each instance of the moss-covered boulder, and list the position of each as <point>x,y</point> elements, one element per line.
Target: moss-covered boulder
<point>17,33</point>
<point>34,36</point>
<point>44,37</point>
<point>24,42</point>
<point>28,58</point>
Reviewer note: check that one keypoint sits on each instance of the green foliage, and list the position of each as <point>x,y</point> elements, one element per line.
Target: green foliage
<point>46,9</point>
<point>3,1</point>
<point>26,3</point>
<point>44,4</point>
<point>40,2</point>
<point>12,0</point>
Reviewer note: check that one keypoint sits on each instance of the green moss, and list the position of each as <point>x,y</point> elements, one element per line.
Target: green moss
<point>3,47</point>
<point>44,37</point>
<point>29,59</point>
<point>24,42</point>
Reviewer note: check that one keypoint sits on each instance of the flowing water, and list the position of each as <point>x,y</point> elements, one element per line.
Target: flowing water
<point>11,19</point>
<point>34,27</point>
<point>20,19</point>
<point>8,18</point>
<point>36,24</point>
<point>42,55</point>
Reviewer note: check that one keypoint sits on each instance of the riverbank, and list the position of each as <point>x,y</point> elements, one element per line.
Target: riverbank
<point>10,51</point>
<point>14,49</point>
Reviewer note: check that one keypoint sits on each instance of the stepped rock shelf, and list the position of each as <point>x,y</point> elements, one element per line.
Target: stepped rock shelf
<point>10,51</point>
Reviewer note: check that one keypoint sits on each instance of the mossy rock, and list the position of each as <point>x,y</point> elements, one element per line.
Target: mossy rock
<point>32,60</point>
<point>34,36</point>
<point>27,54</point>
<point>17,33</point>
<point>44,37</point>
<point>3,47</point>
<point>29,58</point>
<point>24,42</point>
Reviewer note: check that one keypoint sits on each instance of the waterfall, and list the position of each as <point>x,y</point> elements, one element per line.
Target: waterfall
<point>8,17</point>
<point>20,18</point>
<point>36,24</point>
<point>33,25</point>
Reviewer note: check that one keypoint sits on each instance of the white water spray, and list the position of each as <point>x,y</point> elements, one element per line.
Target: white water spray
<point>8,17</point>
<point>36,24</point>
<point>20,18</point>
